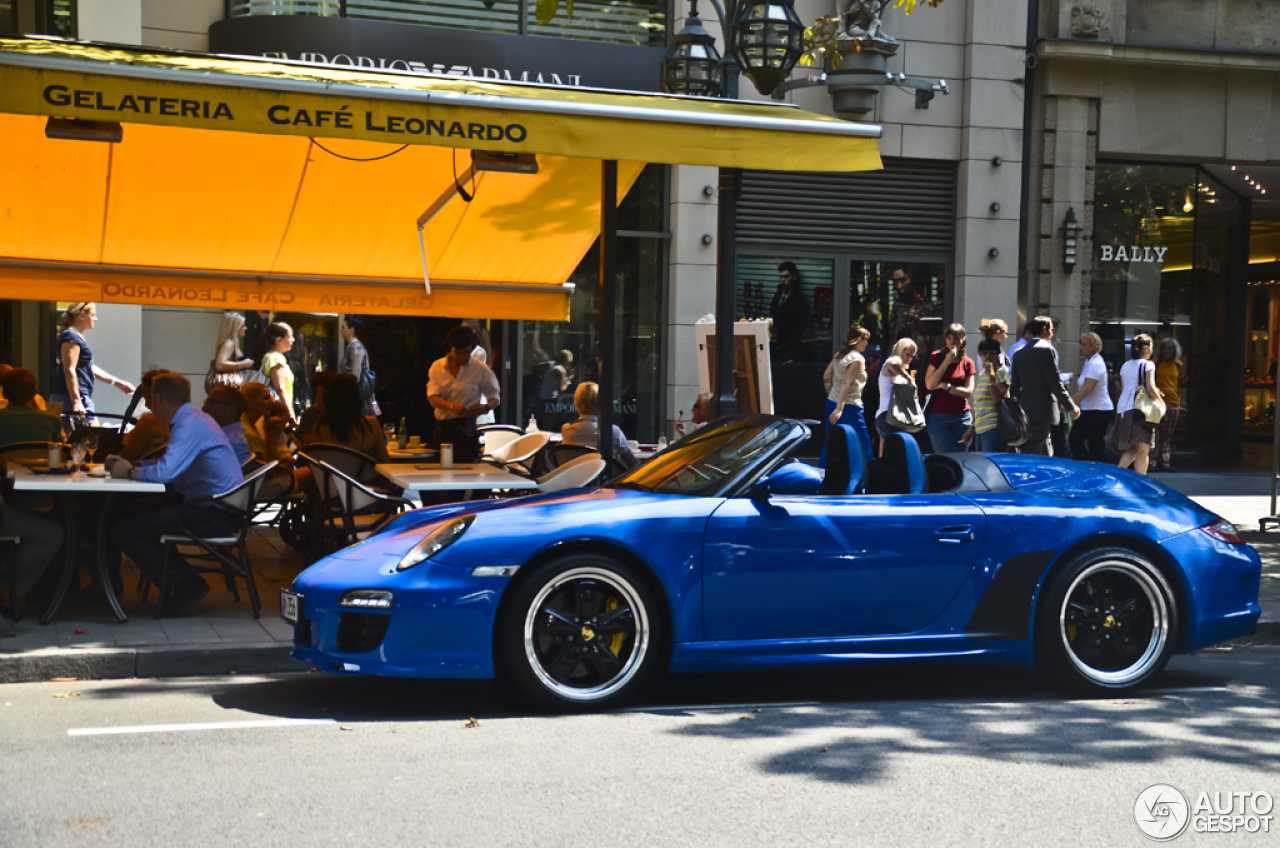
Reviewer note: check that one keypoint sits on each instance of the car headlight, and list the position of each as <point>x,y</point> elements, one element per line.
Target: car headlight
<point>436,541</point>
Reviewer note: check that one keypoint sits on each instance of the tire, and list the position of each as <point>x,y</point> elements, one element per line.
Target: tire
<point>582,632</point>
<point>1107,622</point>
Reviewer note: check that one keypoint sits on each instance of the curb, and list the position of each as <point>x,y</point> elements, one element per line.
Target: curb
<point>124,663</point>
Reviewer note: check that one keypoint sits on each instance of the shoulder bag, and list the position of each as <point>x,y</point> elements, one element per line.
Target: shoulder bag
<point>216,378</point>
<point>1011,422</point>
<point>904,409</point>
<point>1148,411</point>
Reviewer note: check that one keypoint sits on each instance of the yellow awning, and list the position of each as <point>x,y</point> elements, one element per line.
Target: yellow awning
<point>235,185</point>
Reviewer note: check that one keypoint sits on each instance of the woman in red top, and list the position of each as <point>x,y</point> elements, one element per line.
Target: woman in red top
<point>950,379</point>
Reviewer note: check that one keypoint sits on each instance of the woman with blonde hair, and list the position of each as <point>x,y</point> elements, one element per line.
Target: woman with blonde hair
<point>74,372</point>
<point>229,362</point>
<point>996,328</point>
<point>586,430</point>
<point>951,375</point>
<point>1136,373</point>
<point>1089,433</point>
<point>893,372</point>
<point>848,374</point>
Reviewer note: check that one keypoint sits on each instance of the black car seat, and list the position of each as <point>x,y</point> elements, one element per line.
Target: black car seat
<point>846,462</point>
<point>905,465</point>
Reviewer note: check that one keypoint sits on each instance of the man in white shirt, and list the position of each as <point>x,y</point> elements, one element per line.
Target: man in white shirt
<point>460,388</point>
<point>1027,338</point>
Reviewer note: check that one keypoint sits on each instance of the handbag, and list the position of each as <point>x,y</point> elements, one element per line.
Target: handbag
<point>368,380</point>
<point>1011,423</point>
<point>904,409</point>
<point>215,378</point>
<point>1148,411</point>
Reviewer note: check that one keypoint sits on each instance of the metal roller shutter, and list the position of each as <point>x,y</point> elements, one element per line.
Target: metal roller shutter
<point>908,207</point>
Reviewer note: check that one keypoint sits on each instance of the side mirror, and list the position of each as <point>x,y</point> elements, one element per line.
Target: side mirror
<point>794,478</point>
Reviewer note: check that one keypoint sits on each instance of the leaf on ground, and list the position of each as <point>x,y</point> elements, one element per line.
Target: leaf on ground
<point>66,694</point>
<point>822,750</point>
<point>80,631</point>
<point>345,727</point>
<point>746,718</point>
<point>472,722</point>
<point>61,679</point>
<point>757,710</point>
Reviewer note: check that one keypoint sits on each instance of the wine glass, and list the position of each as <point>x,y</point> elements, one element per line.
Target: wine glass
<point>78,450</point>
<point>91,440</point>
<point>389,430</point>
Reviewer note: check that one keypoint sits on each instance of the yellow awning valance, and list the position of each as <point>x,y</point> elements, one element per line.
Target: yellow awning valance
<point>262,179</point>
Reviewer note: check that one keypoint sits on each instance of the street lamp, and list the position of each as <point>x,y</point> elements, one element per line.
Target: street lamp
<point>692,64</point>
<point>767,41</point>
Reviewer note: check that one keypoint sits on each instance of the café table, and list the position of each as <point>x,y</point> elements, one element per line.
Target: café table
<point>465,477</point>
<point>33,476</point>
<point>412,454</point>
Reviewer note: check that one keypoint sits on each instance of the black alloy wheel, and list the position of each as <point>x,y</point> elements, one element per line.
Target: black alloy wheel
<point>583,631</point>
<point>1106,622</point>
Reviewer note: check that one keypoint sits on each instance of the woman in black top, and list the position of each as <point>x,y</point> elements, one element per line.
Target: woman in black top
<point>74,371</point>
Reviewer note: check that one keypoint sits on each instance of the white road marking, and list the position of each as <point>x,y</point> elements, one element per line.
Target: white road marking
<point>711,707</point>
<point>208,725</point>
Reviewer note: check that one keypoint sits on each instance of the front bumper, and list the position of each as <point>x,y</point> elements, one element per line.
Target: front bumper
<point>441,624</point>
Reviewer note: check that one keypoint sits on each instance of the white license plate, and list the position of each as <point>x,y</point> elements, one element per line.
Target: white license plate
<point>289,606</point>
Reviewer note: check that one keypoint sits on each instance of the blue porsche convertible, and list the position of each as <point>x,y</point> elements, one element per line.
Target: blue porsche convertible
<point>724,553</point>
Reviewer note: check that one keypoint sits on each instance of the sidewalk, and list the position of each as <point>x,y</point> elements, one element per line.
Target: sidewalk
<point>221,637</point>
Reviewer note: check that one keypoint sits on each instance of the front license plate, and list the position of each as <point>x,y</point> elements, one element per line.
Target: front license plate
<point>290,606</point>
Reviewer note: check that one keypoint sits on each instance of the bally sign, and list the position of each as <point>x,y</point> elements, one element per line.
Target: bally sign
<point>1132,253</point>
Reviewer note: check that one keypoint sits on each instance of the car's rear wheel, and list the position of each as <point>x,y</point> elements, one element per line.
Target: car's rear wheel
<point>1107,622</point>
<point>583,631</point>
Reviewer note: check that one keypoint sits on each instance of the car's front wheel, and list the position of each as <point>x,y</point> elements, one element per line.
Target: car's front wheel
<point>583,631</point>
<point>1107,622</point>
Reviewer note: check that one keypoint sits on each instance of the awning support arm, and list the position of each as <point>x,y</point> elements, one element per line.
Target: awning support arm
<point>434,209</point>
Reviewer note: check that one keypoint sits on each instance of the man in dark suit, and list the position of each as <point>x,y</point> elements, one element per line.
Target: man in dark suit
<point>789,310</point>
<point>1037,386</point>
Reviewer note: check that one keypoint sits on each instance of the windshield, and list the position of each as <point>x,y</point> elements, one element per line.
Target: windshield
<point>704,463</point>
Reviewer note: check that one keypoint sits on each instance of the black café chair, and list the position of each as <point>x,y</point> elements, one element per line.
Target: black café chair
<point>360,508</point>
<point>229,554</point>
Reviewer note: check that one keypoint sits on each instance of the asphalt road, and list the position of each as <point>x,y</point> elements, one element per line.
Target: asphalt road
<point>925,756</point>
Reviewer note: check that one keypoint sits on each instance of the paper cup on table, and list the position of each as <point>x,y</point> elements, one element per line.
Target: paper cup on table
<point>55,456</point>
<point>415,441</point>
<point>446,455</point>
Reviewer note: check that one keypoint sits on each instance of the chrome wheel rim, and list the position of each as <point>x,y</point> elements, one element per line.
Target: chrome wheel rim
<point>1114,623</point>
<point>586,634</point>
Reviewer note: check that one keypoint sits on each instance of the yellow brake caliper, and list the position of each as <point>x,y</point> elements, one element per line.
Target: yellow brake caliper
<point>617,640</point>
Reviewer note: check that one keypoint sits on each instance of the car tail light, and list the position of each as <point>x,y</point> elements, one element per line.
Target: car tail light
<point>1224,531</point>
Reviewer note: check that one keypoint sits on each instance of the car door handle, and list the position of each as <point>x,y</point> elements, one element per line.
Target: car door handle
<point>956,534</point>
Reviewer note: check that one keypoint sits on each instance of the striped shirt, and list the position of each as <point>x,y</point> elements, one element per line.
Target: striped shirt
<point>985,411</point>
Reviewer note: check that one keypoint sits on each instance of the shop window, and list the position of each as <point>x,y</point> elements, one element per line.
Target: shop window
<point>1164,266</point>
<point>38,17</point>
<point>558,356</point>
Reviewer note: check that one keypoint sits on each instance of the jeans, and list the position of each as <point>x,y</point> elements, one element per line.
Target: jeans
<point>945,430</point>
<point>855,415</point>
<point>138,536</point>
<point>989,442</point>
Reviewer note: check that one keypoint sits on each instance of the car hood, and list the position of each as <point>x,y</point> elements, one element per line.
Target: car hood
<point>510,532</point>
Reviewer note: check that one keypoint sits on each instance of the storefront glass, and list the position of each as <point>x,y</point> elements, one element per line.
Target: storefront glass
<point>557,356</point>
<point>1166,264</point>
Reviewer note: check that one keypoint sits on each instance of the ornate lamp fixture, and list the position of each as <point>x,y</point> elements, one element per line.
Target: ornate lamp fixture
<point>1069,231</point>
<point>692,64</point>
<point>767,39</point>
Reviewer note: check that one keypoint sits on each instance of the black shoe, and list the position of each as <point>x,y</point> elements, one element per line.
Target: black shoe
<point>186,595</point>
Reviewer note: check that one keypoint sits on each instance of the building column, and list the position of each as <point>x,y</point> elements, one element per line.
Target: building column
<point>987,193</point>
<point>691,281</point>
<point>1069,155</point>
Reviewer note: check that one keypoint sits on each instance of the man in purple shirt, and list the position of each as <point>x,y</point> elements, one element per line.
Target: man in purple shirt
<point>199,462</point>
